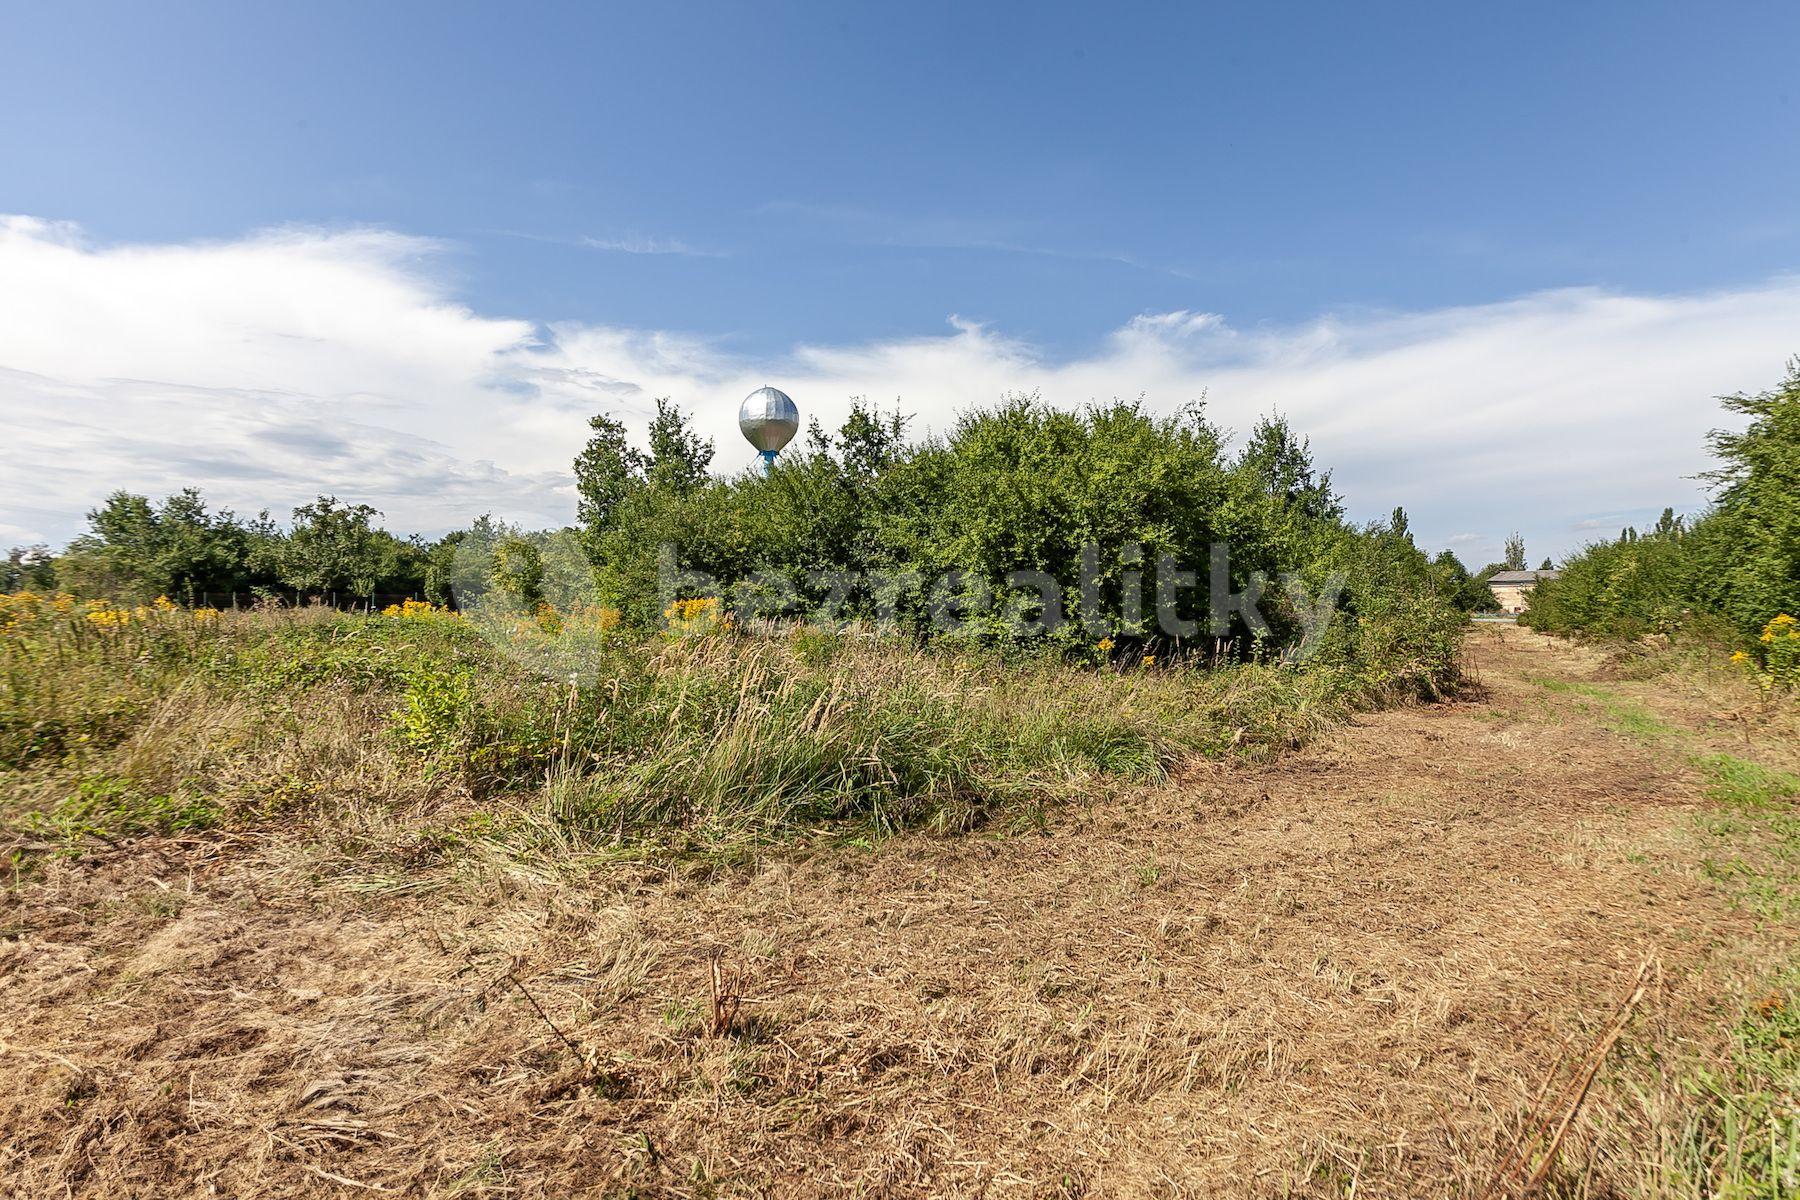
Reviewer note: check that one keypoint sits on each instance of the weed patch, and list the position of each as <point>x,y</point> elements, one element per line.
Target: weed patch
<point>109,807</point>
<point>1739,1132</point>
<point>706,742</point>
<point>1620,714</point>
<point>1740,784</point>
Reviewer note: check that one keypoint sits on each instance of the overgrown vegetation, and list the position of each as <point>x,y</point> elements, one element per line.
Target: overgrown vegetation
<point>723,709</point>
<point>1108,496</point>
<point>1733,574</point>
<point>115,720</point>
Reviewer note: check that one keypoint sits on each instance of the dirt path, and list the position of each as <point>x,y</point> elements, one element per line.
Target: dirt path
<point>1355,964</point>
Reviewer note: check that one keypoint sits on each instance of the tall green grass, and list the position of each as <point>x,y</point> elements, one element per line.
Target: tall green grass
<point>172,720</point>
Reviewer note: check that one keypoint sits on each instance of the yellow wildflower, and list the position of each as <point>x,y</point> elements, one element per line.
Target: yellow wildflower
<point>700,614</point>
<point>1104,645</point>
<point>416,610</point>
<point>104,615</point>
<point>1780,665</point>
<point>693,609</point>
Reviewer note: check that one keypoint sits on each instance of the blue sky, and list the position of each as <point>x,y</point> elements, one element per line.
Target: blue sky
<point>751,181</point>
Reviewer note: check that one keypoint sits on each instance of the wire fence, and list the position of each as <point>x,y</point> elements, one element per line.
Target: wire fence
<point>289,598</point>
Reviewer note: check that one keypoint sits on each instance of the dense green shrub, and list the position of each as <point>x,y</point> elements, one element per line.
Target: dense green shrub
<point>1627,588</point>
<point>1454,582</point>
<point>1746,555</point>
<point>1738,564</point>
<point>1021,487</point>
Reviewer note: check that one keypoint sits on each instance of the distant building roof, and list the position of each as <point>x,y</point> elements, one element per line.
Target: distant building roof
<point>1521,576</point>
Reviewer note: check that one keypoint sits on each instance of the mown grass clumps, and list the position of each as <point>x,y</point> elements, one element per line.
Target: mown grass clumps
<point>1749,1145</point>
<point>1741,1136</point>
<point>1746,786</point>
<point>1753,837</point>
<point>1715,1121</point>
<point>174,720</point>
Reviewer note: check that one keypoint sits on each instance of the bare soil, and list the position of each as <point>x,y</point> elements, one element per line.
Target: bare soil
<point>1352,966</point>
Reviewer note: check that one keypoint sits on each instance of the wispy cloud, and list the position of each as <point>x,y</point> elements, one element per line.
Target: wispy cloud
<point>647,245</point>
<point>281,364</point>
<point>617,244</point>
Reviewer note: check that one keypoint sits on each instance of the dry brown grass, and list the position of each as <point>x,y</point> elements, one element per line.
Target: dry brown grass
<point>1343,972</point>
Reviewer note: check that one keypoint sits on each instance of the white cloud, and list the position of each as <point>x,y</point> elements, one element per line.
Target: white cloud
<point>271,367</point>
<point>646,245</point>
<point>265,370</point>
<point>1532,414</point>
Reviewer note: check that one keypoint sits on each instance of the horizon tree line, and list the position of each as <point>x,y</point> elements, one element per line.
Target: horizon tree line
<point>337,552</point>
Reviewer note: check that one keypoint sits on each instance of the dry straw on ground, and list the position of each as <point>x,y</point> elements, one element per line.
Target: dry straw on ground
<point>1343,972</point>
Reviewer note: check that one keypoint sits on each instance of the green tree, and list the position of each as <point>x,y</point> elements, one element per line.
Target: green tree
<point>1453,581</point>
<point>1281,464</point>
<point>868,442</point>
<point>606,471</point>
<point>519,570</point>
<point>440,568</point>
<point>197,552</point>
<point>28,568</point>
<point>1515,552</point>
<point>335,548</point>
<point>1737,565</point>
<point>679,457</point>
<point>1023,489</point>
<point>116,557</point>
<point>1752,553</point>
<point>135,549</point>
<point>610,472</point>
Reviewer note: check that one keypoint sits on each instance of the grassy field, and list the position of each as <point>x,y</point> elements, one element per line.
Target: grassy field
<point>560,728</point>
<point>313,904</point>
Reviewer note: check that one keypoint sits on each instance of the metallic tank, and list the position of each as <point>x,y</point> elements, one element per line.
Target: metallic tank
<point>769,420</point>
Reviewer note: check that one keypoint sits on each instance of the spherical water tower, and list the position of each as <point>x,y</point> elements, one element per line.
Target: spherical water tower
<point>769,421</point>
